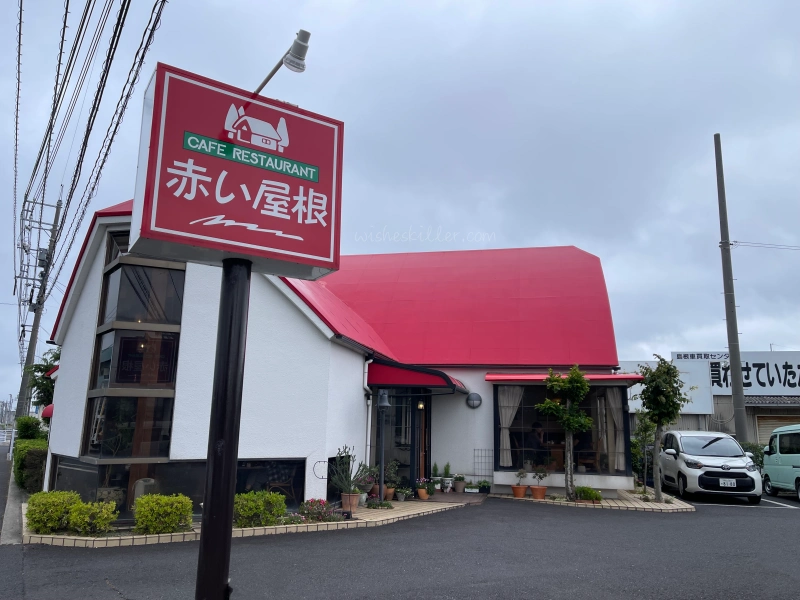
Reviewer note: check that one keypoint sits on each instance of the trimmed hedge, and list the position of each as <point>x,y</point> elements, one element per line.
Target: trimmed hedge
<point>586,493</point>
<point>21,449</point>
<point>35,462</point>
<point>258,509</point>
<point>29,428</point>
<point>155,513</point>
<point>92,518</point>
<point>49,511</point>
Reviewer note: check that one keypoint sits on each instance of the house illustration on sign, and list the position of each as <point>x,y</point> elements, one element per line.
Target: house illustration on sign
<point>256,132</point>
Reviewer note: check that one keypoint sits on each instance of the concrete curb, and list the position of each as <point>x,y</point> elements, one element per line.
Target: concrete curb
<point>622,504</point>
<point>12,518</point>
<point>28,537</point>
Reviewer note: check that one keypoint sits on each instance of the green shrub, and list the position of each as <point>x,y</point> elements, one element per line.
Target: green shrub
<point>21,448</point>
<point>317,509</point>
<point>29,428</point>
<point>92,518</point>
<point>757,450</point>
<point>586,493</point>
<point>155,513</point>
<point>258,509</point>
<point>49,511</point>
<point>33,473</point>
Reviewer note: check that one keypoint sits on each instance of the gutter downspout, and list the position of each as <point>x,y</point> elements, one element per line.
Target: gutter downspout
<point>368,394</point>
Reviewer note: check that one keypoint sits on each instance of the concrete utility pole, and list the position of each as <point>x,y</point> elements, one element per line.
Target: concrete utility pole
<point>737,387</point>
<point>23,399</point>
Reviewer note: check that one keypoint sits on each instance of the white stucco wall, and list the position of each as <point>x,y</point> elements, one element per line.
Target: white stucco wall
<point>347,406</point>
<point>458,430</point>
<point>69,397</point>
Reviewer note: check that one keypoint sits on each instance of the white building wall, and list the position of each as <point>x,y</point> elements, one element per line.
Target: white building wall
<point>458,430</point>
<point>69,397</point>
<point>347,406</point>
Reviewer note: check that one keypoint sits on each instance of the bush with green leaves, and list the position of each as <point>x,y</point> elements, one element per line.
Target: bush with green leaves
<point>49,511</point>
<point>33,471</point>
<point>21,449</point>
<point>156,513</point>
<point>92,518</point>
<point>258,509</point>
<point>583,492</point>
<point>758,452</point>
<point>29,428</point>
<point>318,509</point>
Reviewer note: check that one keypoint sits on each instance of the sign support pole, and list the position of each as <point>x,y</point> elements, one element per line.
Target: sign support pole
<point>213,582</point>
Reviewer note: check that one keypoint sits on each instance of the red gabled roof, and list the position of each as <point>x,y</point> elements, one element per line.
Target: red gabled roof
<point>51,371</point>
<point>513,307</point>
<point>507,307</point>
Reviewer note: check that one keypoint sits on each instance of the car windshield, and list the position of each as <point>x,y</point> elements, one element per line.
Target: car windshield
<point>710,445</point>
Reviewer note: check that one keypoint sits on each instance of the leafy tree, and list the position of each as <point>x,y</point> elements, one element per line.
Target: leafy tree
<point>662,398</point>
<point>643,436</point>
<point>567,393</point>
<point>42,386</point>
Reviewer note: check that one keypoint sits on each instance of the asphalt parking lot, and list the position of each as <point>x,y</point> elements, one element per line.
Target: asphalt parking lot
<point>781,501</point>
<point>501,549</point>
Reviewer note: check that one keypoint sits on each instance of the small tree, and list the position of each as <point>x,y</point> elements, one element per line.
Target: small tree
<point>663,398</point>
<point>41,385</point>
<point>643,437</point>
<point>567,392</point>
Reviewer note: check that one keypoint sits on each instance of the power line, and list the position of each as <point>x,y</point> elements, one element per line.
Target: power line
<point>735,244</point>
<point>127,91</point>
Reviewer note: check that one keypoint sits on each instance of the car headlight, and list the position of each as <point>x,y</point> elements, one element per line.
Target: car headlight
<point>693,464</point>
<point>751,466</point>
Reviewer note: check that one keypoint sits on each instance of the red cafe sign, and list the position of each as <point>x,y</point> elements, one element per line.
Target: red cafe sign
<point>223,174</point>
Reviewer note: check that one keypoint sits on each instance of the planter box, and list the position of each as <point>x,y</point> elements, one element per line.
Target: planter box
<point>471,490</point>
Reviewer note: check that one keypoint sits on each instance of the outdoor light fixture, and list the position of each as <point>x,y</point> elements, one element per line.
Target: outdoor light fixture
<point>294,59</point>
<point>474,400</point>
<point>421,405</point>
<point>383,399</point>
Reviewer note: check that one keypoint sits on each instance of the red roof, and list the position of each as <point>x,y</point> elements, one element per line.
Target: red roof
<point>51,371</point>
<point>508,307</point>
<point>514,307</point>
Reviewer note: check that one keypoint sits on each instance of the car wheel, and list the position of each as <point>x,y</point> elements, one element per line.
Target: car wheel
<point>771,491</point>
<point>663,484</point>
<point>754,499</point>
<point>682,486</point>
<point>797,489</point>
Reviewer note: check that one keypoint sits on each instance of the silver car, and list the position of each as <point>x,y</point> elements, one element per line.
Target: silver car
<point>709,463</point>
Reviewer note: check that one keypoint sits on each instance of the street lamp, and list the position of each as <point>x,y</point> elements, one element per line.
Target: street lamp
<point>383,404</point>
<point>294,59</point>
<point>214,556</point>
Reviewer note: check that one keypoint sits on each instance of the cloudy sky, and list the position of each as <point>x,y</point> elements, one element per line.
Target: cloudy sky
<point>503,124</point>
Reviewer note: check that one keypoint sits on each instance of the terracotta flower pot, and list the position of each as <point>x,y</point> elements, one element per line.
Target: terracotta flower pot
<point>422,493</point>
<point>538,491</point>
<point>350,502</point>
<point>519,490</point>
<point>388,493</point>
<point>459,486</point>
<point>374,491</point>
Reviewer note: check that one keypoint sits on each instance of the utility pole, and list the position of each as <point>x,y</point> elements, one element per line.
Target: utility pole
<point>737,387</point>
<point>23,399</point>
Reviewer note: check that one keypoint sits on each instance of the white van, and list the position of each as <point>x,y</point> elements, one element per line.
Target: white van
<point>782,461</point>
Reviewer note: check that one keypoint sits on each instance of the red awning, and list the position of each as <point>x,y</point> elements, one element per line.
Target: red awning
<point>47,413</point>
<point>390,374</point>
<point>628,379</point>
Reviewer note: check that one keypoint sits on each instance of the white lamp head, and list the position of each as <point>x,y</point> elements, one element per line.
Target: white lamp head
<point>295,59</point>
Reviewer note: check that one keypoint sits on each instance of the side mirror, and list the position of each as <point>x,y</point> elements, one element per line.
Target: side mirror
<point>749,455</point>
<point>767,450</point>
<point>671,452</point>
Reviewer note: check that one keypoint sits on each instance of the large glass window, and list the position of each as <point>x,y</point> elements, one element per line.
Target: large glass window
<point>136,358</point>
<point>129,427</point>
<point>143,295</point>
<point>789,443</point>
<point>528,438</point>
<point>76,476</point>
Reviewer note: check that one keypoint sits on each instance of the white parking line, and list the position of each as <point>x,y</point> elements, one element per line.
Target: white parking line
<point>779,503</point>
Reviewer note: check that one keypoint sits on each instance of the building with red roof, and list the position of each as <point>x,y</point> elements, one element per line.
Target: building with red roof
<point>462,341</point>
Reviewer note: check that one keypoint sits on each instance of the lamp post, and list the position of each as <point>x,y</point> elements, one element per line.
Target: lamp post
<point>383,404</point>
<point>213,563</point>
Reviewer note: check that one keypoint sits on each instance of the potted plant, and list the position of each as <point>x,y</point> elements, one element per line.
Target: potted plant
<point>459,483</point>
<point>538,491</point>
<point>447,477</point>
<point>390,479</point>
<point>587,495</point>
<point>343,478</point>
<point>437,480</point>
<point>422,488</point>
<point>519,490</point>
<point>401,493</point>
<point>365,479</point>
<point>485,486</point>
<point>471,488</point>
<point>431,488</point>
